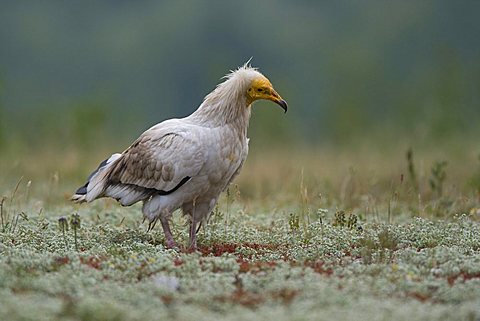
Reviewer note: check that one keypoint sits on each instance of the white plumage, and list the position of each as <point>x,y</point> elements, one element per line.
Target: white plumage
<point>185,163</point>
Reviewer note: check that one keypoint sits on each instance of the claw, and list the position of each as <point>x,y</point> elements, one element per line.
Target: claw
<point>152,224</point>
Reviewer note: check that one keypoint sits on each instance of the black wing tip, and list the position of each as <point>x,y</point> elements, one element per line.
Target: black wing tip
<point>154,191</point>
<point>182,182</point>
<point>82,190</point>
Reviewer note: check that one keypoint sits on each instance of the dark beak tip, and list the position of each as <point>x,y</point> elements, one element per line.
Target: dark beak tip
<point>280,102</point>
<point>284,105</point>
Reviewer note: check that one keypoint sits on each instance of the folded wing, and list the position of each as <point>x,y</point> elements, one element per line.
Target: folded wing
<point>156,163</point>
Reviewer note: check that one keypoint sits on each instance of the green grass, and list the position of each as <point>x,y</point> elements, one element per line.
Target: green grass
<point>329,242</point>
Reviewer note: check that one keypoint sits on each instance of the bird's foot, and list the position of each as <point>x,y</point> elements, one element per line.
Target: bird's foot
<point>171,244</point>
<point>193,246</point>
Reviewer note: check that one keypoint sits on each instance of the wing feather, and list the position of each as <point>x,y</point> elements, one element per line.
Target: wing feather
<point>161,162</point>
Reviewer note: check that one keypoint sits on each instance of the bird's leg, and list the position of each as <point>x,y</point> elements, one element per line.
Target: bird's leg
<point>169,241</point>
<point>193,228</point>
<point>193,233</point>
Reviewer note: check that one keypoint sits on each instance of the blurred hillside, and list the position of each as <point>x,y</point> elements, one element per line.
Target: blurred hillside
<point>81,73</point>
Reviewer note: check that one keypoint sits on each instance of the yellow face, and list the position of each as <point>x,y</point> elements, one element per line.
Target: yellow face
<point>261,88</point>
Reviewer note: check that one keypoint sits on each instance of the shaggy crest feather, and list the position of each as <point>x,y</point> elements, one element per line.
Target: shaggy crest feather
<point>243,67</point>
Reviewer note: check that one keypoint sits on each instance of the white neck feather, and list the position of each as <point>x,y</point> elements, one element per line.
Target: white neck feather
<point>227,104</point>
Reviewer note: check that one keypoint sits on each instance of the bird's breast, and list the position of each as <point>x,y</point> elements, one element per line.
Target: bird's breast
<point>228,154</point>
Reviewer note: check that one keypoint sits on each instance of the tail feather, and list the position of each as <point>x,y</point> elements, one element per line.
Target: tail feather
<point>95,184</point>
<point>78,198</point>
<point>127,194</point>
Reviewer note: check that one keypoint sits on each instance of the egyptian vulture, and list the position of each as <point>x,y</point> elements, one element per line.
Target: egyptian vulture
<point>185,163</point>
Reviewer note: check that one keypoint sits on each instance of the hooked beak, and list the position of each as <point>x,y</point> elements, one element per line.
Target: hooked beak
<point>282,103</point>
<point>275,97</point>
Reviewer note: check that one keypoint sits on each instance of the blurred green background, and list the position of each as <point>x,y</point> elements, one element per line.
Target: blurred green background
<point>86,73</point>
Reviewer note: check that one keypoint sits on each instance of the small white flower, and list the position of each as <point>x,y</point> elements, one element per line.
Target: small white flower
<point>167,282</point>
